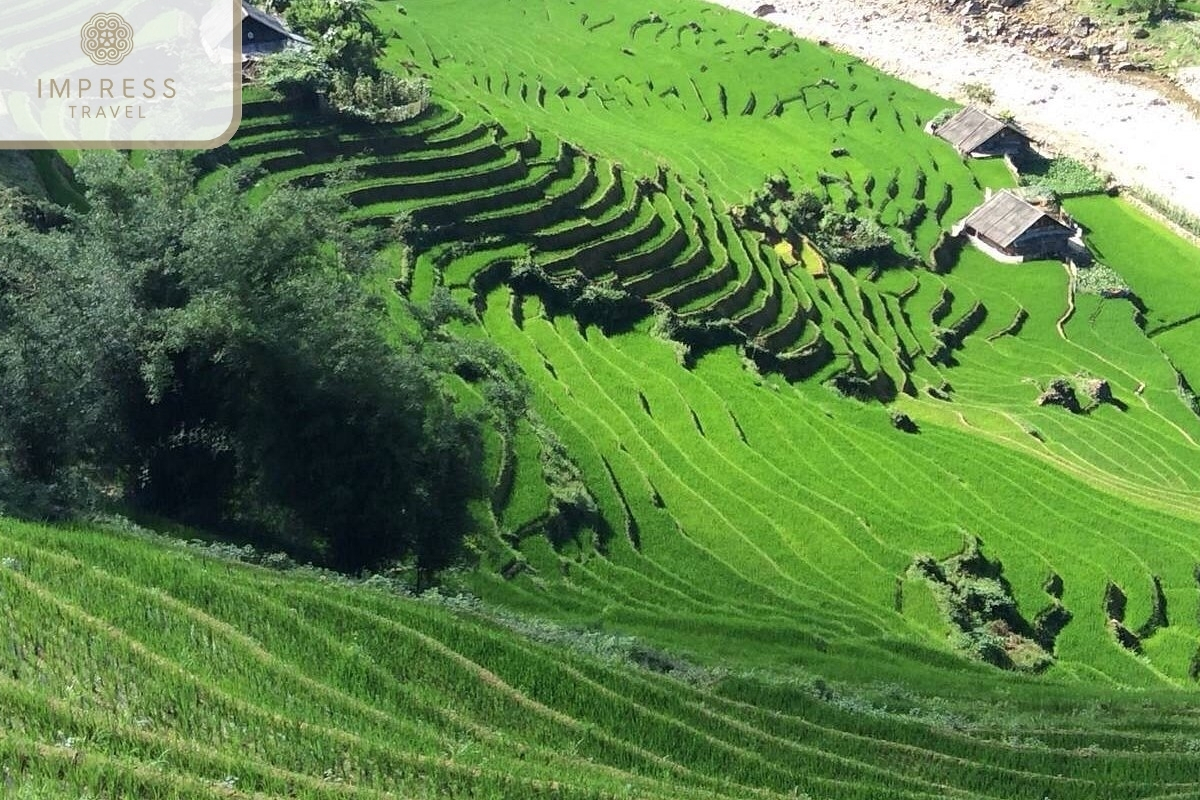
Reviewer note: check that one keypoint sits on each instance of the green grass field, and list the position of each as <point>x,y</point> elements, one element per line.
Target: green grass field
<point>741,619</point>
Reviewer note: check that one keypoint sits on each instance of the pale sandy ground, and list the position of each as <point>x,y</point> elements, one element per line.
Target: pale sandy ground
<point>1189,79</point>
<point>1127,130</point>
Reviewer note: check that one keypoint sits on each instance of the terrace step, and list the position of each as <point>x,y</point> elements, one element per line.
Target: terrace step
<point>689,264</point>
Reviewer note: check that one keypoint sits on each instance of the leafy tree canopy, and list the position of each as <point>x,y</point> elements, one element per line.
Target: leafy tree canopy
<point>219,363</point>
<point>342,33</point>
<point>780,213</point>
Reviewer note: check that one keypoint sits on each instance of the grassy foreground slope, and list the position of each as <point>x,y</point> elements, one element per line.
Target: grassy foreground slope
<point>133,668</point>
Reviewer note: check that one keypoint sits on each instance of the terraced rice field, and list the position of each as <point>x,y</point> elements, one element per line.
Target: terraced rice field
<point>753,522</point>
<point>134,668</point>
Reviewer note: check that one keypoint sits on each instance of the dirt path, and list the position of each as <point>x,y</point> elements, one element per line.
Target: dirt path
<point>1128,130</point>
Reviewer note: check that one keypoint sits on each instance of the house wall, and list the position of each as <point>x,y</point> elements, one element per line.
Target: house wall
<point>255,33</point>
<point>992,249</point>
<point>1041,242</point>
<point>1006,142</point>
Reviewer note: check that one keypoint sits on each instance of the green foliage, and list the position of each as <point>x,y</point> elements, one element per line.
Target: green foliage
<point>977,600</point>
<point>18,171</point>
<point>779,212</point>
<point>978,92</point>
<point>851,239</point>
<point>295,72</point>
<point>382,98</point>
<point>216,362</point>
<point>1065,177</point>
<point>1154,9</point>
<point>572,501</point>
<point>607,306</point>
<point>342,32</point>
<point>942,116</point>
<point>1102,280</point>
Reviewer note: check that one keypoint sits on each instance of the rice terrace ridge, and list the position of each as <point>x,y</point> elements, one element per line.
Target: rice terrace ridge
<point>566,400</point>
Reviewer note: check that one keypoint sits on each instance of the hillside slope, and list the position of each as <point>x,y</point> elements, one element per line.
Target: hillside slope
<point>717,481</point>
<point>134,668</point>
<point>856,556</point>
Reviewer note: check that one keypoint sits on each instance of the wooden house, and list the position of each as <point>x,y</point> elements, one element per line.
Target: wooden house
<point>975,133</point>
<point>264,34</point>
<point>1015,230</point>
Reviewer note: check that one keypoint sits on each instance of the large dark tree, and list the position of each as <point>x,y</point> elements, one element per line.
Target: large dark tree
<point>219,363</point>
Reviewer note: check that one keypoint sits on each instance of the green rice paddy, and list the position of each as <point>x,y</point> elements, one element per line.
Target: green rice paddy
<point>757,527</point>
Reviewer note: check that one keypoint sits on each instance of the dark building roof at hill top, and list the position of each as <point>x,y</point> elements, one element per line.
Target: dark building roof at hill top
<point>1005,217</point>
<point>270,21</point>
<point>970,128</point>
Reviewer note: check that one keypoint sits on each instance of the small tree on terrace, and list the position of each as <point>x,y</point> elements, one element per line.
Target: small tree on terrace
<point>779,212</point>
<point>342,33</point>
<point>383,98</point>
<point>295,72</point>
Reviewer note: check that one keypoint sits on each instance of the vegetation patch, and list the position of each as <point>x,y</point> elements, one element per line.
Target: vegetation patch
<point>1079,394</point>
<point>1101,279</point>
<point>1064,176</point>
<point>977,600</point>
<point>779,212</point>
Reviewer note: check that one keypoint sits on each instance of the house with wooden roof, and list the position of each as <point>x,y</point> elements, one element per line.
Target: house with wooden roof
<point>978,134</point>
<point>264,34</point>
<point>1010,228</point>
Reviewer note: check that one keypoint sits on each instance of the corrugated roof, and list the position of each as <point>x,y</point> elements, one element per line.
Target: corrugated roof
<point>970,128</point>
<point>1005,217</point>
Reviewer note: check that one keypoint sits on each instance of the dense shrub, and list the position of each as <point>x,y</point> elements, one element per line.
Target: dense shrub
<point>220,364</point>
<point>295,73</point>
<point>342,33</point>
<point>1102,280</point>
<point>382,98</point>
<point>978,92</point>
<point>978,602</point>
<point>942,117</point>
<point>780,213</point>
<point>850,239</point>
<point>608,306</point>
<point>1155,9</point>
